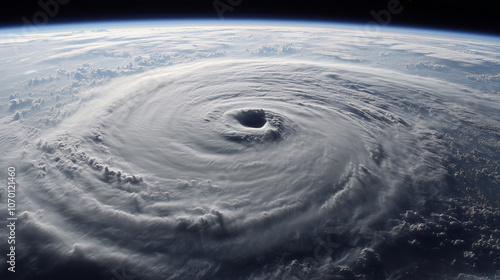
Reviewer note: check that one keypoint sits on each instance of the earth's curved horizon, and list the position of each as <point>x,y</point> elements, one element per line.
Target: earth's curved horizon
<point>250,150</point>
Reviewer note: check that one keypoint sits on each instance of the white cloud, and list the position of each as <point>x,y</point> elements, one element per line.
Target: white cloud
<point>174,148</point>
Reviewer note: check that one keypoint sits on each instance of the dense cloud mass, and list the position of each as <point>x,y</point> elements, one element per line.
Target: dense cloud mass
<point>255,153</point>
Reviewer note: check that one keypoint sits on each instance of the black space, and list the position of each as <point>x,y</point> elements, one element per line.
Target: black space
<point>471,16</point>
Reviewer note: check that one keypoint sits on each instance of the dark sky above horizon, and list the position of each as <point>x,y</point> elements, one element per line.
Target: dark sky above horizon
<point>476,16</point>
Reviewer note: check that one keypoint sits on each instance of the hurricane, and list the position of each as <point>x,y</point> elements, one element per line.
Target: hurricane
<point>251,168</point>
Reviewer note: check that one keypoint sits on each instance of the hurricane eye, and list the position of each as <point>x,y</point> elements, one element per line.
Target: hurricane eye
<point>252,118</point>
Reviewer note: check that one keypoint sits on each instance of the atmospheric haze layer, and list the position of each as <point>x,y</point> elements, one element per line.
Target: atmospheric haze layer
<point>244,151</point>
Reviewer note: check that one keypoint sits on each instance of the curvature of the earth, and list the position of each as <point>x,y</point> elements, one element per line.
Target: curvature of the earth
<point>244,151</point>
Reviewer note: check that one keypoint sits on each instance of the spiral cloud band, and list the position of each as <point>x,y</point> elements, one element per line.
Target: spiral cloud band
<point>261,168</point>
